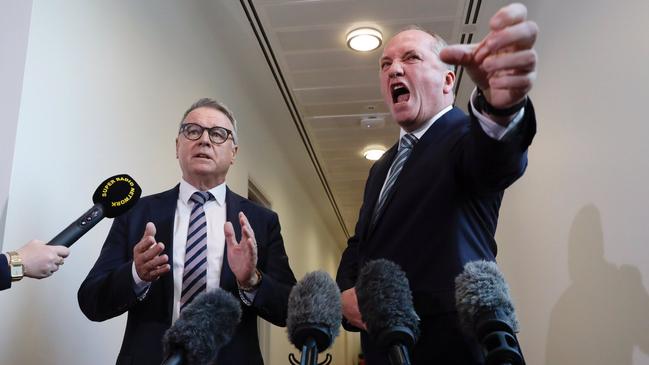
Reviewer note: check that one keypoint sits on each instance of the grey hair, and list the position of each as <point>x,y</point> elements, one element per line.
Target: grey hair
<point>437,46</point>
<point>216,105</point>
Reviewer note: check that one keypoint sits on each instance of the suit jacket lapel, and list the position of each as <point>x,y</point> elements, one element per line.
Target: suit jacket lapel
<point>382,168</point>
<point>232,209</point>
<point>435,131</point>
<point>166,210</point>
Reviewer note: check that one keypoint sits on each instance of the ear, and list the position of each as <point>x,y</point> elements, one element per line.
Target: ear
<point>235,148</point>
<point>449,82</point>
<point>176,148</point>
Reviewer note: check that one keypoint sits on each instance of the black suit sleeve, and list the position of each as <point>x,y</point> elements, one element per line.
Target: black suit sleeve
<point>488,165</point>
<point>108,290</point>
<point>349,266</point>
<point>5,273</point>
<point>349,262</point>
<point>271,298</point>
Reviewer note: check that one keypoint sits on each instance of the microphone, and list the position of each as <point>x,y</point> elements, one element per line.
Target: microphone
<point>314,316</point>
<point>204,326</point>
<point>385,303</point>
<point>485,309</point>
<point>113,197</point>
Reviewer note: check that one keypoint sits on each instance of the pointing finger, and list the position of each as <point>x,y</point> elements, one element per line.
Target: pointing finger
<point>508,15</point>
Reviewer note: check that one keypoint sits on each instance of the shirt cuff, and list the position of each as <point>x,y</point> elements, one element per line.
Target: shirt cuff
<point>491,128</point>
<point>140,287</point>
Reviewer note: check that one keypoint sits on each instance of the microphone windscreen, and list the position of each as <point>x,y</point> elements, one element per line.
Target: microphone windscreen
<point>117,194</point>
<point>203,327</point>
<point>384,298</point>
<point>314,310</point>
<point>481,288</point>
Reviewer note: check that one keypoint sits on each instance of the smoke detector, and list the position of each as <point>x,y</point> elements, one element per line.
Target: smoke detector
<point>372,121</point>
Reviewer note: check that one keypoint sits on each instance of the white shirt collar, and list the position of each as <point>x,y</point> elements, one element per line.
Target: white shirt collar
<point>186,191</point>
<point>421,130</point>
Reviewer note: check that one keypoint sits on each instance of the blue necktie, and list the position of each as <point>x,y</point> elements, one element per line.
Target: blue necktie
<point>407,143</point>
<point>195,271</point>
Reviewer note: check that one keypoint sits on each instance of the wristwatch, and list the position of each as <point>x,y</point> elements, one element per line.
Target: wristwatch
<point>482,105</point>
<point>16,266</point>
<point>254,285</point>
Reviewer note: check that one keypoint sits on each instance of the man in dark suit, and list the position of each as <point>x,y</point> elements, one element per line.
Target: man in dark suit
<point>206,235</point>
<point>431,202</point>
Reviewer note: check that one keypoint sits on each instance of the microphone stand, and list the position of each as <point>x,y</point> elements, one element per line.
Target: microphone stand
<point>309,355</point>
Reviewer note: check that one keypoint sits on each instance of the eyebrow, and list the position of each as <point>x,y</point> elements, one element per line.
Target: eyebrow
<point>410,53</point>
<point>406,54</point>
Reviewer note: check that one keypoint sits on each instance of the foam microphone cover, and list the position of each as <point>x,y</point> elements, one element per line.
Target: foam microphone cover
<point>204,326</point>
<point>314,311</point>
<point>481,288</point>
<point>117,194</point>
<point>385,303</point>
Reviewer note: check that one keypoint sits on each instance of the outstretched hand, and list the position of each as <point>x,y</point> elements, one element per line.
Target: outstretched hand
<point>503,64</point>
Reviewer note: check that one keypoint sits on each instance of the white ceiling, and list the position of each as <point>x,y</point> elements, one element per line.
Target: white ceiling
<point>330,88</point>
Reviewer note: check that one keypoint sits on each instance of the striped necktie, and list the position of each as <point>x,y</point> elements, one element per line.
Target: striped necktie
<point>195,271</point>
<point>405,147</point>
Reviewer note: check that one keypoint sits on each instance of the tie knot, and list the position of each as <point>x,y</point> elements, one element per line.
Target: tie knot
<point>200,197</point>
<point>408,140</point>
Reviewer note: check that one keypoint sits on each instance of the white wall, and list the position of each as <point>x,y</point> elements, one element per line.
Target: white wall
<point>14,29</point>
<point>105,85</point>
<point>573,232</point>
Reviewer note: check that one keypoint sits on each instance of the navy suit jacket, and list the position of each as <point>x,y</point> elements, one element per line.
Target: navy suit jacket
<point>443,210</point>
<point>5,273</point>
<point>108,292</point>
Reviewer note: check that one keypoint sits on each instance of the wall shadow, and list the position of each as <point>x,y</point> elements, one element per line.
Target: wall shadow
<point>604,313</point>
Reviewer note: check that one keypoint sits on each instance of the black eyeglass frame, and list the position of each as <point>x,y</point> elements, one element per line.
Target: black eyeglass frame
<point>183,129</point>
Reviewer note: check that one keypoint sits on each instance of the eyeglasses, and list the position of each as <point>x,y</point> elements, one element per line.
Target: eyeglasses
<point>217,135</point>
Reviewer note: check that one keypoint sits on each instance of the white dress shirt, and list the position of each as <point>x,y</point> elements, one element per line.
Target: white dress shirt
<point>215,216</point>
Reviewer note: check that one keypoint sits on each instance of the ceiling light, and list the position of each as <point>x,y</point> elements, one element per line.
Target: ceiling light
<point>364,39</point>
<point>373,154</point>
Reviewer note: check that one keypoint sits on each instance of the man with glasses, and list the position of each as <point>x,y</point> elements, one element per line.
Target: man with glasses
<point>206,236</point>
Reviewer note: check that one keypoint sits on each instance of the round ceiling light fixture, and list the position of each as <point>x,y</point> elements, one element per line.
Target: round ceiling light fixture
<point>374,154</point>
<point>364,39</point>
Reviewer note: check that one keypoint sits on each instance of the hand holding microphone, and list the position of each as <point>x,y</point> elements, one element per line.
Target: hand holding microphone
<point>113,197</point>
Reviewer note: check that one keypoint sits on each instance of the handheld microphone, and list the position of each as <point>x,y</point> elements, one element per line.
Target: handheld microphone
<point>113,197</point>
<point>204,326</point>
<point>314,316</point>
<point>385,303</point>
<point>485,309</point>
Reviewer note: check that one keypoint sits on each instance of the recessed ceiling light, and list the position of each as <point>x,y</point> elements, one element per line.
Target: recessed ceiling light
<point>373,154</point>
<point>364,39</point>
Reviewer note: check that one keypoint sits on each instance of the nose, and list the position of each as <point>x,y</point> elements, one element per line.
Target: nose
<point>395,69</point>
<point>205,137</point>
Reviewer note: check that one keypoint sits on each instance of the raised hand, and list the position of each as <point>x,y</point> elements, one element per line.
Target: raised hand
<point>149,264</point>
<point>503,64</point>
<point>242,256</point>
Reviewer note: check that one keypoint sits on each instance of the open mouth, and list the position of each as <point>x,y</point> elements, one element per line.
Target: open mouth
<point>400,93</point>
<point>202,155</point>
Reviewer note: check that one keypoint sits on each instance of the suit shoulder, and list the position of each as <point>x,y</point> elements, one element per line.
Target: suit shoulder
<point>154,201</point>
